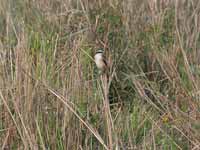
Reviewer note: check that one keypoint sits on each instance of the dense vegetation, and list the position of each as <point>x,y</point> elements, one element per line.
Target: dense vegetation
<point>51,94</point>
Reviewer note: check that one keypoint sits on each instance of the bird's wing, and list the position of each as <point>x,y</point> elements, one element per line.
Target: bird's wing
<point>104,60</point>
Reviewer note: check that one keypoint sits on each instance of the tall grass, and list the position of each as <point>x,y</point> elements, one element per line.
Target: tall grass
<point>52,97</point>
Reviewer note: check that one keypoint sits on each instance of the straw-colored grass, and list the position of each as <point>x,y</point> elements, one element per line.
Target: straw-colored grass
<point>52,97</point>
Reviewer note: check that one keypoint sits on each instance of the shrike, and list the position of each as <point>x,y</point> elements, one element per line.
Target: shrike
<point>100,61</point>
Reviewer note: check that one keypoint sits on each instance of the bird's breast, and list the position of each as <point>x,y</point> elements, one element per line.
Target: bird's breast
<point>100,64</point>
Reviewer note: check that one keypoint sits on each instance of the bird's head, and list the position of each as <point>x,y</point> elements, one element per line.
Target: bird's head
<point>99,53</point>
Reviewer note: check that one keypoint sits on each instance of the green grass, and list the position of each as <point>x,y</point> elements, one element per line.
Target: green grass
<point>51,95</point>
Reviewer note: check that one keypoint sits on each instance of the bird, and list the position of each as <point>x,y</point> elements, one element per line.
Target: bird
<point>100,61</point>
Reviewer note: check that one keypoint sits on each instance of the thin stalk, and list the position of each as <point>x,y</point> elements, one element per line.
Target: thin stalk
<point>108,117</point>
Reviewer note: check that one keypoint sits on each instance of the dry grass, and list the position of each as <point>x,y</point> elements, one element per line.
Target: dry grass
<point>51,96</point>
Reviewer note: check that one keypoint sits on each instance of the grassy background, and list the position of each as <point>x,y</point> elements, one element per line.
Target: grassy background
<point>50,90</point>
